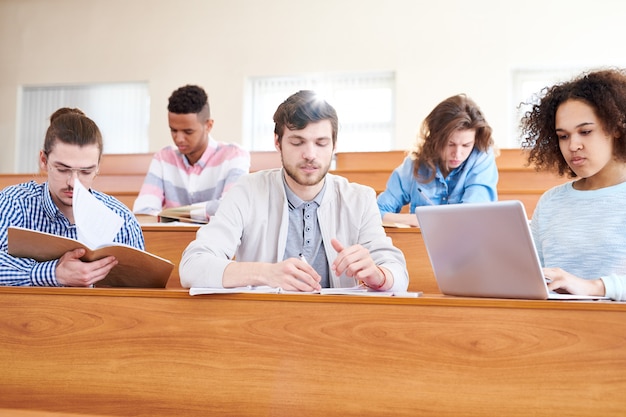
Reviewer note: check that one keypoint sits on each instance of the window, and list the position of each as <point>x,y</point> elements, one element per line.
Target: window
<point>527,84</point>
<point>121,111</point>
<point>364,104</point>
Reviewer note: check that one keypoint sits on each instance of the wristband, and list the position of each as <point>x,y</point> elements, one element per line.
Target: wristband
<point>382,284</point>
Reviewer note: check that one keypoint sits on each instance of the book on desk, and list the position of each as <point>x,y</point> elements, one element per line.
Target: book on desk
<point>193,213</point>
<point>135,268</point>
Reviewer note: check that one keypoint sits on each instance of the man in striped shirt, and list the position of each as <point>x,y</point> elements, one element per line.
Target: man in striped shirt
<point>72,150</point>
<point>198,170</point>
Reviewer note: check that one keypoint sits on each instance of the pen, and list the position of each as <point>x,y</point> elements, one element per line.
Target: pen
<point>303,259</point>
<point>428,200</point>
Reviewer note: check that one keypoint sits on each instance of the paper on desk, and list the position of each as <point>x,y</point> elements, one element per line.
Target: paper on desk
<point>96,224</point>
<point>271,290</point>
<point>396,225</point>
<point>358,290</point>
<point>235,290</point>
<point>392,294</point>
<point>363,291</point>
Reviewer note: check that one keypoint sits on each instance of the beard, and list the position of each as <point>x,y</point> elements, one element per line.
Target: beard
<point>303,179</point>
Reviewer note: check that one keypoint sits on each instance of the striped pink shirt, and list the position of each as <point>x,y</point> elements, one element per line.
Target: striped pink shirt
<point>172,182</point>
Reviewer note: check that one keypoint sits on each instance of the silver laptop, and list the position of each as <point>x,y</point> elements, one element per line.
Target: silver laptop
<point>484,250</point>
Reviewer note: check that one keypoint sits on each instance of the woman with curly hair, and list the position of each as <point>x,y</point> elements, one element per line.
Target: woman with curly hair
<point>454,162</point>
<point>578,129</point>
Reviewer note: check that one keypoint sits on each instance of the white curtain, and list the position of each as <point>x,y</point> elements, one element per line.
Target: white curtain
<point>121,111</point>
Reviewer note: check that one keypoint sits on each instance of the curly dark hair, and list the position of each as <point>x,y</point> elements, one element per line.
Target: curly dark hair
<point>603,90</point>
<point>190,99</point>
<point>454,113</point>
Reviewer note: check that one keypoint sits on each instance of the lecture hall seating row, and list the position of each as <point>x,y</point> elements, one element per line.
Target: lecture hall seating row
<point>121,175</point>
<point>169,241</point>
<point>517,181</point>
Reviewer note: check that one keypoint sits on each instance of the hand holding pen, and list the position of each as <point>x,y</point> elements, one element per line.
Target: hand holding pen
<point>428,200</point>
<point>292,274</point>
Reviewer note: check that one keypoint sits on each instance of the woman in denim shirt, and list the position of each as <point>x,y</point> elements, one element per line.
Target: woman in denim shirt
<point>454,162</point>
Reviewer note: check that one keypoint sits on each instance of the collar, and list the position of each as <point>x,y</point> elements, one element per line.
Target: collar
<point>294,201</point>
<point>211,149</point>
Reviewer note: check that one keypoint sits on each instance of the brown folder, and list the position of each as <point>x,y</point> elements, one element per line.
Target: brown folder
<point>135,268</point>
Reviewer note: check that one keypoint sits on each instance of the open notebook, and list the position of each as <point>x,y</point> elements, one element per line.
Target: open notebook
<point>484,250</point>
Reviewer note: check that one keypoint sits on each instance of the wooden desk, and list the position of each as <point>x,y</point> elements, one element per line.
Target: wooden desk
<point>123,352</point>
<point>12,412</point>
<point>410,242</point>
<point>169,242</point>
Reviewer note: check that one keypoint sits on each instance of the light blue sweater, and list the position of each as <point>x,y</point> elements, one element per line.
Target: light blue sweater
<point>584,233</point>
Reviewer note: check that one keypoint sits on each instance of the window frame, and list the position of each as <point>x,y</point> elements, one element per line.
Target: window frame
<point>264,94</point>
<point>121,111</point>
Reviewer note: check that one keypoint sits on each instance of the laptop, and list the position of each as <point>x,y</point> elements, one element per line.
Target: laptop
<point>485,250</point>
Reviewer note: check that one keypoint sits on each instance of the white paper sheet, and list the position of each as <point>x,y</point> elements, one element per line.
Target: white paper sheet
<point>96,224</point>
<point>358,290</point>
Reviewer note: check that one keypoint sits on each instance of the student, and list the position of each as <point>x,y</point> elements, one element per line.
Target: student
<point>198,169</point>
<point>270,218</point>
<point>453,162</point>
<point>71,150</point>
<point>578,128</point>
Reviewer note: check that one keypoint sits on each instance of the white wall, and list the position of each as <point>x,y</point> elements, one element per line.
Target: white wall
<point>436,48</point>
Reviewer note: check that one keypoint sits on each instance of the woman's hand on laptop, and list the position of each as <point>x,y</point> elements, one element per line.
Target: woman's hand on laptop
<point>562,281</point>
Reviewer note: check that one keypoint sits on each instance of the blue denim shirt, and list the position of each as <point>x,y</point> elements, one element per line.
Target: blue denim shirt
<point>475,180</point>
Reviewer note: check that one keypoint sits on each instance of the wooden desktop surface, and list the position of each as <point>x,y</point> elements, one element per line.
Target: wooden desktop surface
<point>170,241</point>
<point>410,242</point>
<point>13,412</point>
<point>123,352</point>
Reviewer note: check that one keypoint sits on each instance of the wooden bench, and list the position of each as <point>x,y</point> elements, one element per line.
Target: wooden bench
<point>14,412</point>
<point>516,180</point>
<point>122,352</point>
<point>359,161</point>
<point>138,163</point>
<point>121,175</point>
<point>12,179</point>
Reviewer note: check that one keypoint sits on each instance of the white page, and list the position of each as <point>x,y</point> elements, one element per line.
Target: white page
<point>96,224</point>
<point>236,290</point>
<point>359,290</point>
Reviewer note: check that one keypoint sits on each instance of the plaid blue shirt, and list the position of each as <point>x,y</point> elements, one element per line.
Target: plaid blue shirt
<point>30,205</point>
